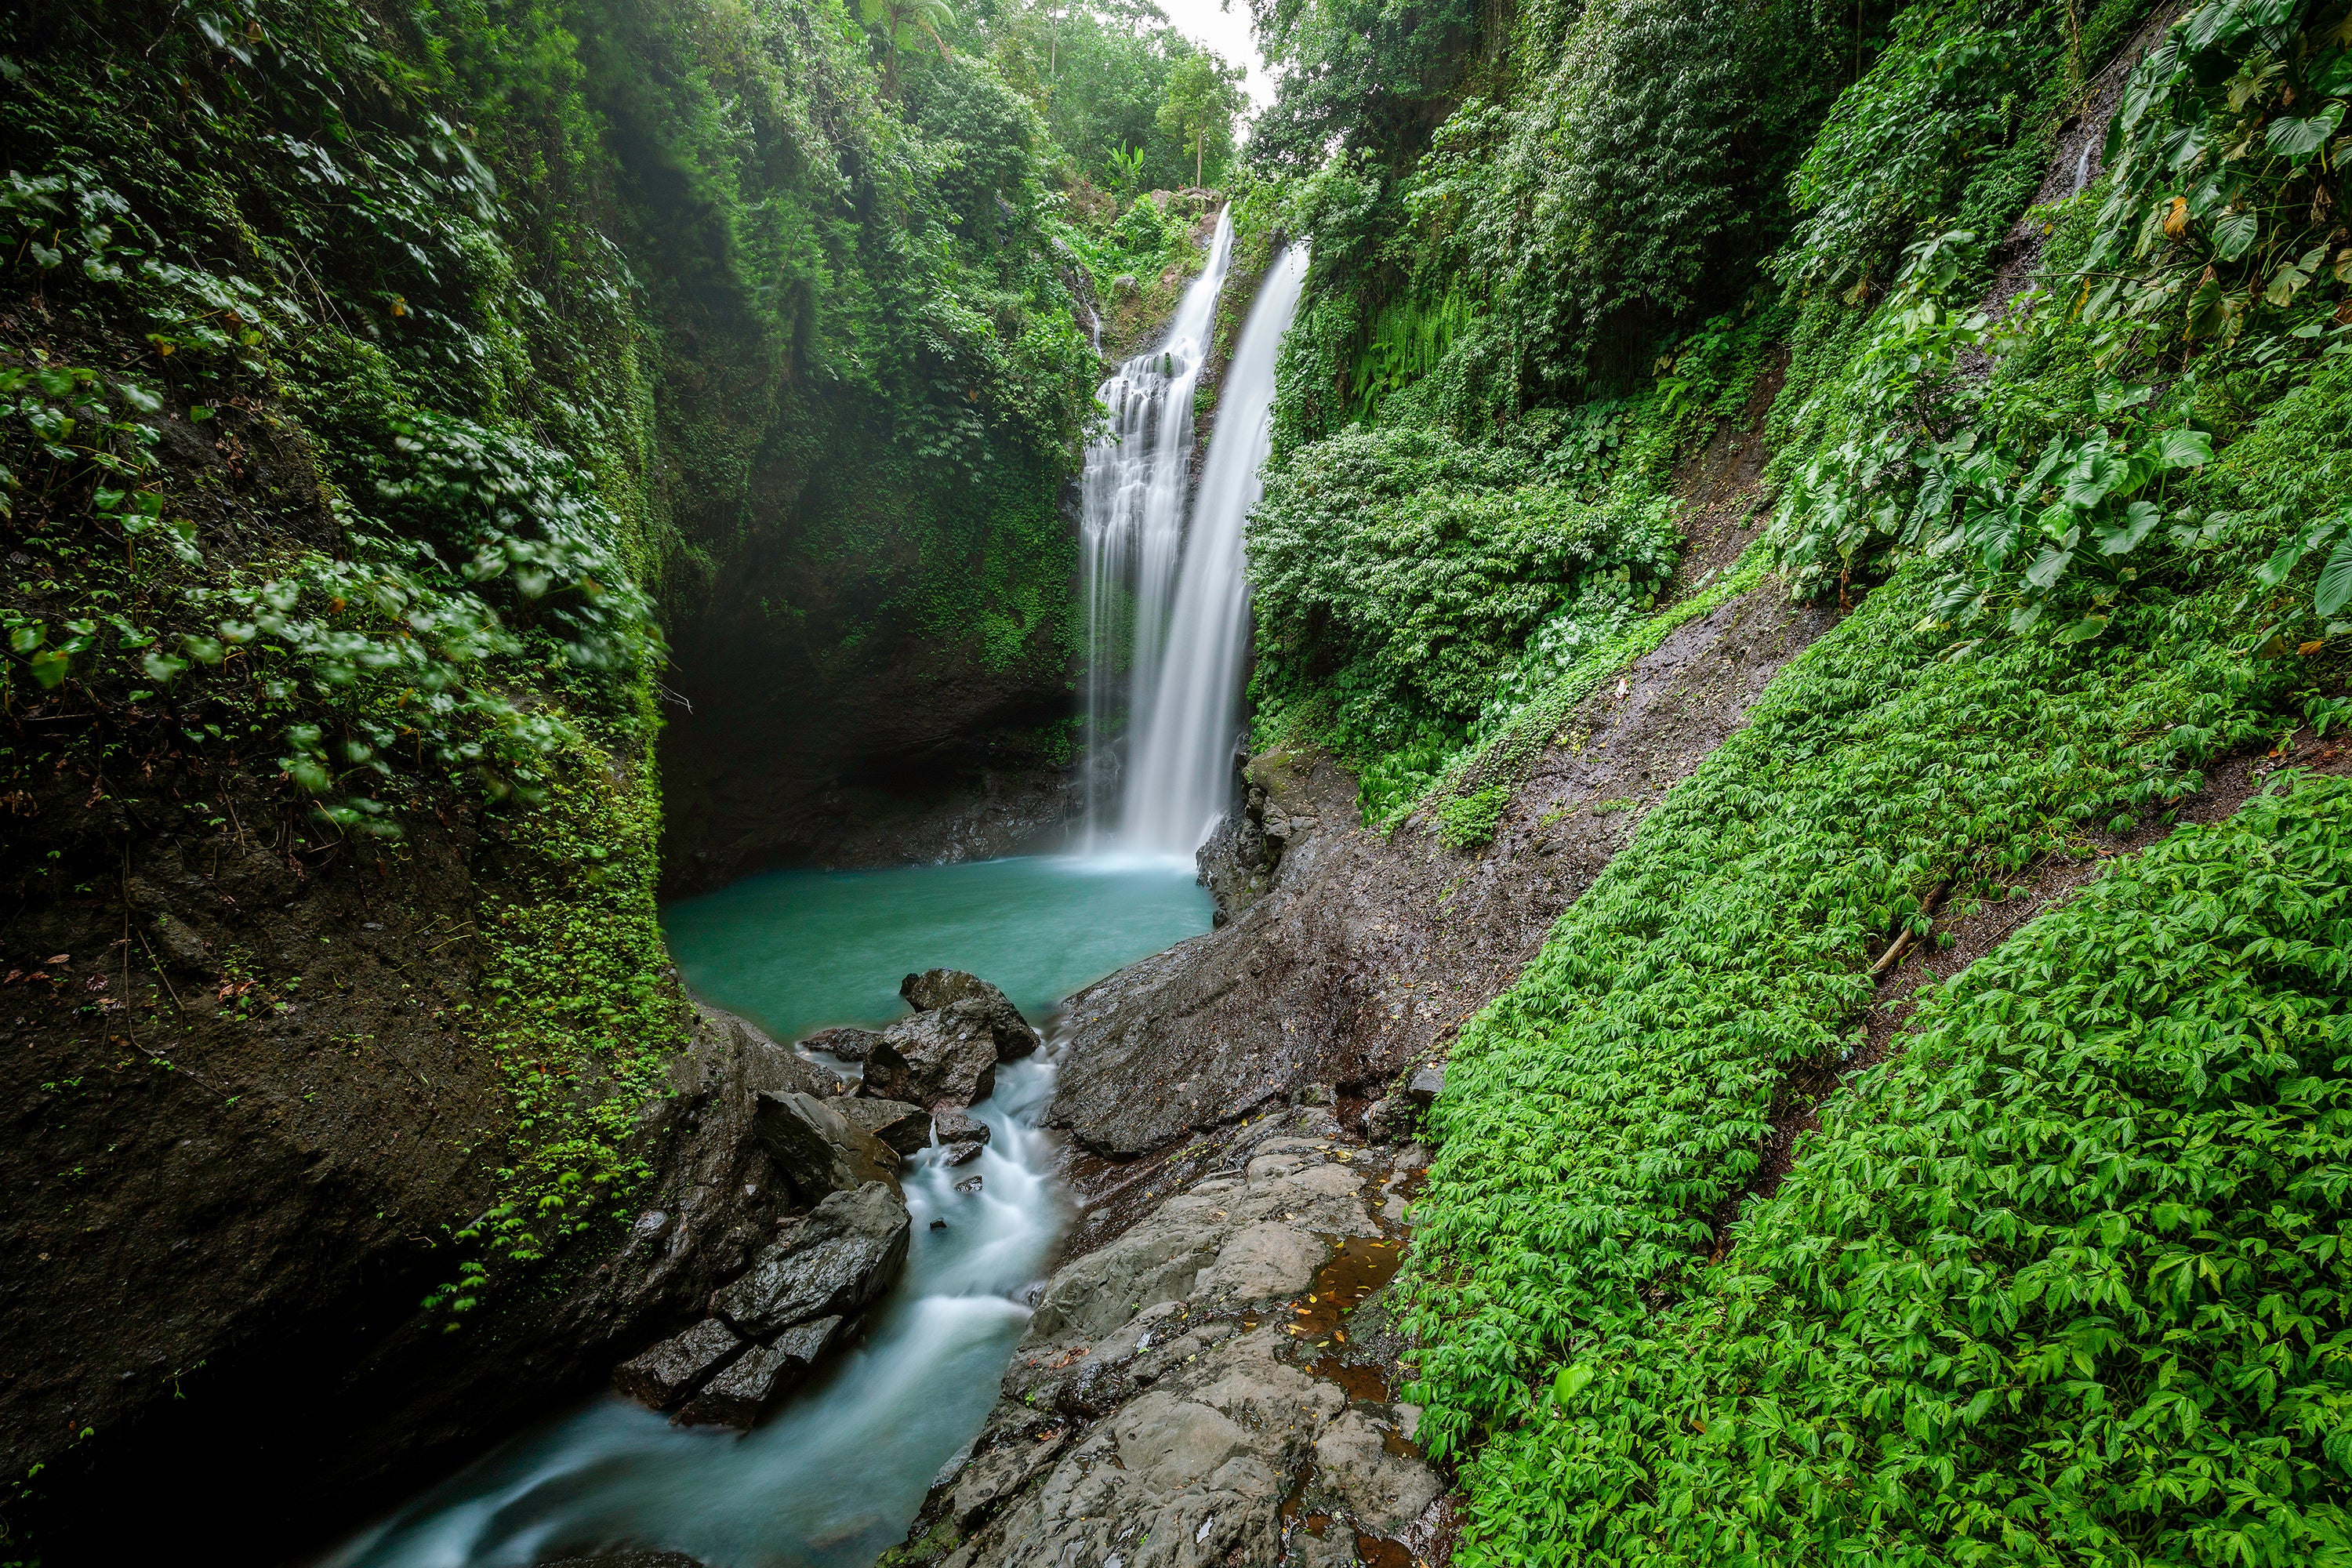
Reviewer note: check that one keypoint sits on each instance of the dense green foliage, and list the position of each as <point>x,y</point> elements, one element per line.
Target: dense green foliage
<point>370,378</point>
<point>2062,1280</point>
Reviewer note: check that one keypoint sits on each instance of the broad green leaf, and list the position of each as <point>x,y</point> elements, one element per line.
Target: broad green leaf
<point>2183,447</point>
<point>2048,567</point>
<point>2299,139</point>
<point>49,666</point>
<point>2234,233</point>
<point>2335,589</point>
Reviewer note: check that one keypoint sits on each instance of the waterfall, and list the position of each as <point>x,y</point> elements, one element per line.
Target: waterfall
<point>1131,527</point>
<point>1179,771</point>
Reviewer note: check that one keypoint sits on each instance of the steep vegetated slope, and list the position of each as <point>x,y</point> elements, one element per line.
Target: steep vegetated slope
<point>2061,1278</point>
<point>381,389</point>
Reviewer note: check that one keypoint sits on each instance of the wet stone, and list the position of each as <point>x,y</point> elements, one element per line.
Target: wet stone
<point>959,1153</point>
<point>662,1375</point>
<point>849,1044</point>
<point>904,1127</point>
<point>956,1127</point>
<point>836,1260</point>
<point>737,1396</point>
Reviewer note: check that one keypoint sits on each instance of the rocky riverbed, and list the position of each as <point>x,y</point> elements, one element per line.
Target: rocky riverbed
<point>1214,1383</point>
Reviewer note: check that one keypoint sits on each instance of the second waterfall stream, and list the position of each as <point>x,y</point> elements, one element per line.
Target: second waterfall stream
<point>1176,571</point>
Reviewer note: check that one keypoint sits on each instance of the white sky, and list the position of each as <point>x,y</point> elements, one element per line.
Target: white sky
<point>1225,29</point>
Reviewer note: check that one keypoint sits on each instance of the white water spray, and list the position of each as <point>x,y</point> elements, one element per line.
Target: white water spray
<point>1132,525</point>
<point>1179,771</point>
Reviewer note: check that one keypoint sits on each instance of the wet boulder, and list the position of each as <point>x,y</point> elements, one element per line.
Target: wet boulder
<point>956,1127</point>
<point>1425,1085</point>
<point>849,1044</point>
<point>763,1374</point>
<point>672,1369</point>
<point>773,1068</point>
<point>819,1150</point>
<point>905,1128</point>
<point>975,1001</point>
<point>959,1154</point>
<point>830,1264</point>
<point>933,1059</point>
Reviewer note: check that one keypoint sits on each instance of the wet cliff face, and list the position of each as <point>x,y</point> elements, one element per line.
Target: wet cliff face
<point>873,667</point>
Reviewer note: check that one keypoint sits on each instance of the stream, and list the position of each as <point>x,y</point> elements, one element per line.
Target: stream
<point>832,1479</point>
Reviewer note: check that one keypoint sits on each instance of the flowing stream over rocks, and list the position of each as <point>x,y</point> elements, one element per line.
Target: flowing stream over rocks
<point>833,1477</point>
<point>882,1433</point>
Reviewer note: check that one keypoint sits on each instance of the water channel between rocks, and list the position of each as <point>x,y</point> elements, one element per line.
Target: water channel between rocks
<point>833,1477</point>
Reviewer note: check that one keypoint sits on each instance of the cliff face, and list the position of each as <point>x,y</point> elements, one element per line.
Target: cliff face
<point>379,394</point>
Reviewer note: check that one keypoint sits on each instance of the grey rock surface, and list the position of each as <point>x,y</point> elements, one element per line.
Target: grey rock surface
<point>1165,1402</point>
<point>979,1002</point>
<point>955,1127</point>
<point>850,1044</point>
<point>834,1261</point>
<point>937,1058</point>
<point>763,1374</point>
<point>905,1128</point>
<point>817,1148</point>
<point>671,1370</point>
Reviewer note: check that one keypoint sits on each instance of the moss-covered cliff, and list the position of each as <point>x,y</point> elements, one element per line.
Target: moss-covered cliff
<point>407,414</point>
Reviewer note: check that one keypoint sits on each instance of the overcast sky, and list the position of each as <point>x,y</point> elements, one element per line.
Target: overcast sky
<point>1226,29</point>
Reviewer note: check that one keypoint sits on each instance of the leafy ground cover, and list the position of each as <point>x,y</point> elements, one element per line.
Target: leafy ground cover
<point>2062,1282</point>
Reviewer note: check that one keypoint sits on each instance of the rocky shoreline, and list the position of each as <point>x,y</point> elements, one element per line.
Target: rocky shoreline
<point>1216,1383</point>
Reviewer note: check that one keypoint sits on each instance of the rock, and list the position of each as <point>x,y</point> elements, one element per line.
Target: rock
<point>1265,1261</point>
<point>1376,1122</point>
<point>935,1058</point>
<point>1313,1094</point>
<point>975,1000</point>
<point>1000,1472</point>
<point>849,1044</point>
<point>817,1147</point>
<point>737,1396</point>
<point>671,1370</point>
<point>834,1262</point>
<point>1426,1084</point>
<point>969,1185</point>
<point>904,1127</point>
<point>955,1127</point>
<point>959,1154</point>
<point>774,1068</point>
<point>1385,1492</point>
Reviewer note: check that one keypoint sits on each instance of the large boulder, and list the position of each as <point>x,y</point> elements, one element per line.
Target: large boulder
<point>674,1368</point>
<point>830,1264</point>
<point>819,1150</point>
<point>975,1001</point>
<point>850,1044</point>
<point>933,1059</point>
<point>954,1126</point>
<point>905,1128</point>
<point>737,1396</point>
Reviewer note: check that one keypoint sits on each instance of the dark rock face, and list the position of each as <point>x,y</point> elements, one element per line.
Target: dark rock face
<point>838,1260</point>
<point>819,1150</point>
<point>737,1396</point>
<point>1365,952</point>
<point>934,1059</point>
<point>904,1127</point>
<point>849,1044</point>
<point>676,1367</point>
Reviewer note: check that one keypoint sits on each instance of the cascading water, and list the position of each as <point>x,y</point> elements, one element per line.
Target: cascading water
<point>1132,523</point>
<point>1180,768</point>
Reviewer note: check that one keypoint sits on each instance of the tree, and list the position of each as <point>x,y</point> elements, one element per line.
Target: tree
<point>1203,95</point>
<point>905,21</point>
